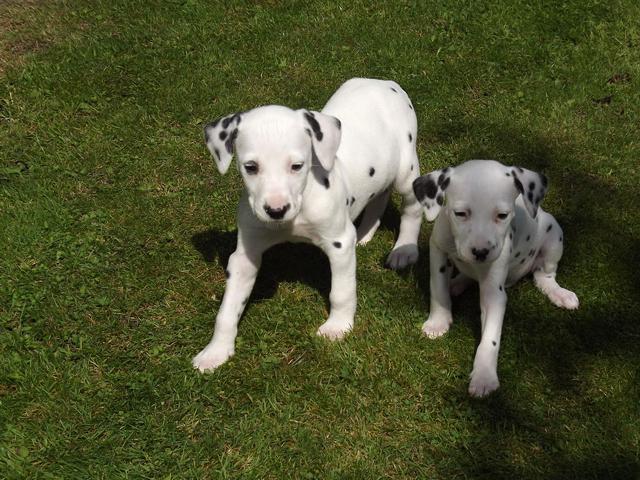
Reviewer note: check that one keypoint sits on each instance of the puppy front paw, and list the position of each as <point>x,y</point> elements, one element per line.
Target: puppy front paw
<point>334,329</point>
<point>564,298</point>
<point>483,382</point>
<point>211,357</point>
<point>436,326</point>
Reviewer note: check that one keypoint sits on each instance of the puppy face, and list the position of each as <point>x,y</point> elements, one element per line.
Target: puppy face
<point>276,148</point>
<point>478,199</point>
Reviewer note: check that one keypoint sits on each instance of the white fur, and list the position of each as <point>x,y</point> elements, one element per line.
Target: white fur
<point>496,252</point>
<point>275,149</point>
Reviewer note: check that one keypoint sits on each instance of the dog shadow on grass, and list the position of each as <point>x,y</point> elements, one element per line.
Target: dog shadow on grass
<point>285,262</point>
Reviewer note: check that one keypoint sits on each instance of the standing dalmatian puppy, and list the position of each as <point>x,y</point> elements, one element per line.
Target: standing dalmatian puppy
<point>492,228</point>
<point>307,176</point>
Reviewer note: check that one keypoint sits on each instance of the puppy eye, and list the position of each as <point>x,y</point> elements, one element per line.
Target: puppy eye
<point>503,216</point>
<point>251,168</point>
<point>296,167</point>
<point>460,214</point>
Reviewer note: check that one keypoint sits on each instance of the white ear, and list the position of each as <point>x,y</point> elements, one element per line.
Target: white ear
<point>429,190</point>
<point>532,186</point>
<point>220,136</point>
<point>325,134</point>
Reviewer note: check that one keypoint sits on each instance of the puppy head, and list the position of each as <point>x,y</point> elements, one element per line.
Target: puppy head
<point>276,147</point>
<point>479,201</point>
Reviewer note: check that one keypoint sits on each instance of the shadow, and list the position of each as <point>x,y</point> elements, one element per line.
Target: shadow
<point>286,262</point>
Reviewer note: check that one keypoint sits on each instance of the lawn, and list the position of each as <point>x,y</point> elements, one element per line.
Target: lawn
<point>115,229</point>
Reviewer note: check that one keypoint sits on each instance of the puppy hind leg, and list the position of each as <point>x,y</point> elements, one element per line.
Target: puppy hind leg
<point>405,250</point>
<point>459,284</point>
<point>545,269</point>
<point>371,217</point>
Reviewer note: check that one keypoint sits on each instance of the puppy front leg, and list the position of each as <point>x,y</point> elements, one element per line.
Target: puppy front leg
<point>484,377</point>
<point>242,270</point>
<point>440,311</point>
<point>342,298</point>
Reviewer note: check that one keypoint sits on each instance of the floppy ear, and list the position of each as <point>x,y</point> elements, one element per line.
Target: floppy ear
<point>532,186</point>
<point>220,136</point>
<point>325,134</point>
<point>429,190</point>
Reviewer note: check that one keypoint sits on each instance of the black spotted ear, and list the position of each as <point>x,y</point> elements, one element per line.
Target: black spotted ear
<point>220,136</point>
<point>532,186</point>
<point>429,190</point>
<point>325,133</point>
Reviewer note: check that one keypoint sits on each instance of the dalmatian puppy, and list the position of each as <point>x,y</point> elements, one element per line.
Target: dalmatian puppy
<point>490,226</point>
<point>308,175</point>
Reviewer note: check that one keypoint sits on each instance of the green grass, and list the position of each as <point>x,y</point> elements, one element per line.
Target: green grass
<point>115,230</point>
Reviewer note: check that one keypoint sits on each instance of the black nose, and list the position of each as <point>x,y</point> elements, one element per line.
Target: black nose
<point>480,255</point>
<point>276,213</point>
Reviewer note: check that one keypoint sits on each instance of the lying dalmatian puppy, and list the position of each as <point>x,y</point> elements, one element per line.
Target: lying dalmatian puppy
<point>307,176</point>
<point>492,229</point>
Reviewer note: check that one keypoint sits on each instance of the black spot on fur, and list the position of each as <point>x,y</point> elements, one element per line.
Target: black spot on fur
<point>543,180</point>
<point>353,199</point>
<point>500,287</point>
<point>522,261</point>
<point>517,255</point>
<point>412,168</point>
<point>520,169</point>
<point>448,263</point>
<point>227,121</point>
<point>230,141</point>
<point>440,199</point>
<point>508,174</point>
<point>411,106</point>
<point>560,239</point>
<point>326,183</point>
<point>410,137</point>
<point>528,237</point>
<point>227,274</point>
<point>347,202</point>
<point>494,343</point>
<point>396,91</point>
<point>532,186</point>
<point>315,126</point>
<point>338,123</point>
<point>518,184</point>
<point>424,187</point>
<point>532,252</point>
<point>223,134</point>
<point>314,156</point>
<point>372,171</point>
<point>443,268</point>
<point>510,235</point>
<point>217,152</point>
<point>549,228</point>
<point>337,244</point>
<point>308,132</point>
<point>213,124</point>
<point>530,196</point>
